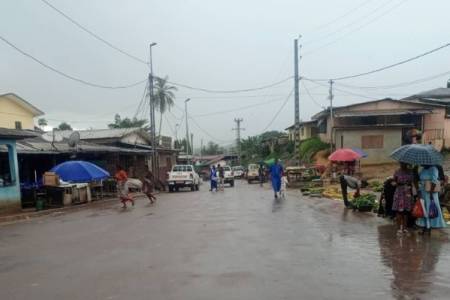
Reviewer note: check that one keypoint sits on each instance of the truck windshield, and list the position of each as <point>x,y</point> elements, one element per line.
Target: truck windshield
<point>182,169</point>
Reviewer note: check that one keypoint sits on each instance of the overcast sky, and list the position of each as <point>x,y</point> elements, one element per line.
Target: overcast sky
<point>221,45</point>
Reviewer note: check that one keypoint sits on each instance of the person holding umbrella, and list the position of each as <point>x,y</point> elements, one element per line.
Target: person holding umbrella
<point>429,192</point>
<point>428,157</point>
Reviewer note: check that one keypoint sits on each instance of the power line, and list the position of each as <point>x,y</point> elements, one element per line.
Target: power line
<point>364,17</point>
<point>397,85</point>
<point>310,95</point>
<point>279,111</point>
<point>207,133</point>
<point>230,91</point>
<point>67,75</point>
<point>96,36</point>
<point>354,30</point>
<point>318,28</point>
<point>236,109</point>
<point>341,90</point>
<point>384,68</point>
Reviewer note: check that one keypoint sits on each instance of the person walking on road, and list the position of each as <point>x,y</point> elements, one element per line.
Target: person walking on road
<point>429,192</point>
<point>261,174</point>
<point>221,172</point>
<point>276,172</point>
<point>121,177</point>
<point>403,196</point>
<point>213,178</point>
<point>148,184</point>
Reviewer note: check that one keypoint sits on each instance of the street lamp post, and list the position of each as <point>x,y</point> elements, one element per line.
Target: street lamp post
<point>152,116</point>
<point>187,128</point>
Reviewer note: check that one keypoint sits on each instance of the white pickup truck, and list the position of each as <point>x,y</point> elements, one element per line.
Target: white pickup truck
<point>183,176</point>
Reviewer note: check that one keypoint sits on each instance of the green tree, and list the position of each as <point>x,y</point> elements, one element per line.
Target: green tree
<point>181,144</point>
<point>164,97</point>
<point>42,122</point>
<point>127,122</point>
<point>212,149</point>
<point>64,126</point>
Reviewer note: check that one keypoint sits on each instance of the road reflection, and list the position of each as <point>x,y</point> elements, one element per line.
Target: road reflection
<point>413,261</point>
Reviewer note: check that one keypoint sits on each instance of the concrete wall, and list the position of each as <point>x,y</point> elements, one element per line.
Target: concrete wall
<point>10,195</point>
<point>392,139</point>
<point>10,112</point>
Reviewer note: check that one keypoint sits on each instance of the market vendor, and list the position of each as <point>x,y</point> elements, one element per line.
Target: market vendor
<point>353,183</point>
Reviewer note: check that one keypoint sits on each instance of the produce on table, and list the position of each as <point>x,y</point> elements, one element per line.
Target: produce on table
<point>376,186</point>
<point>364,202</point>
<point>446,214</point>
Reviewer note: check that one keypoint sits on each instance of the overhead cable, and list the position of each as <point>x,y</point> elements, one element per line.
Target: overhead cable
<point>96,36</point>
<point>383,68</point>
<point>391,9</point>
<point>279,111</point>
<point>349,12</point>
<point>397,85</point>
<point>230,91</point>
<point>67,75</point>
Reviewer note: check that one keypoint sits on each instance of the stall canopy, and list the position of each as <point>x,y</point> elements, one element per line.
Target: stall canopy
<point>80,171</point>
<point>344,154</point>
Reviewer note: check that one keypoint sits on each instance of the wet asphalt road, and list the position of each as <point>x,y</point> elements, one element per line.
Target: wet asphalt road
<point>237,244</point>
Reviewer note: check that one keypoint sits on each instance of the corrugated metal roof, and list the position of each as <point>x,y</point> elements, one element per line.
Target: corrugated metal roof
<point>438,93</point>
<point>16,134</point>
<point>382,113</point>
<point>40,146</point>
<point>99,133</point>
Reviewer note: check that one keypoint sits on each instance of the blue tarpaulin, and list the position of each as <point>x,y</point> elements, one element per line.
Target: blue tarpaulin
<point>79,171</point>
<point>360,151</point>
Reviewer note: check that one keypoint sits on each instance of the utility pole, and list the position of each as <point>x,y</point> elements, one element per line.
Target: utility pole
<point>155,169</point>
<point>330,97</point>
<point>238,137</point>
<point>296,95</point>
<point>187,126</point>
<point>201,149</point>
<point>192,144</point>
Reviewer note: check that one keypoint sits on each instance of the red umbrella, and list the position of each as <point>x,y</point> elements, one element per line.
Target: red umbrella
<point>344,154</point>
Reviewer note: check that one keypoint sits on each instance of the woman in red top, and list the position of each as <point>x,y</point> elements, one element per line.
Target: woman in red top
<point>122,186</point>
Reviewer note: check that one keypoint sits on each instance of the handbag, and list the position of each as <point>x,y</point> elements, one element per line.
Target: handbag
<point>418,211</point>
<point>433,211</point>
<point>428,183</point>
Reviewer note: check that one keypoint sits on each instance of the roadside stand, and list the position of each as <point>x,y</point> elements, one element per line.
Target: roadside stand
<point>70,183</point>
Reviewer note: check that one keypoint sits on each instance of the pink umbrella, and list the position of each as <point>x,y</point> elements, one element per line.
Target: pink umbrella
<point>344,154</point>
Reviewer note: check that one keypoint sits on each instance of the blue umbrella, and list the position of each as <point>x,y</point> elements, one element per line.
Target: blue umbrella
<point>418,154</point>
<point>79,171</point>
<point>360,152</point>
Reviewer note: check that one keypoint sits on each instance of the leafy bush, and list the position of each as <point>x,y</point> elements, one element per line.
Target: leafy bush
<point>308,148</point>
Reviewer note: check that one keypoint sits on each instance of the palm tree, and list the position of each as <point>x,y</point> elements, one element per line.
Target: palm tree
<point>164,98</point>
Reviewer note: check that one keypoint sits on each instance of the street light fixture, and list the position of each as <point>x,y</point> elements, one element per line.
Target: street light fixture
<point>187,126</point>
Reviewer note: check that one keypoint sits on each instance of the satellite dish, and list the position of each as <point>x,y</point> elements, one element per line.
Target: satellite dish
<point>74,138</point>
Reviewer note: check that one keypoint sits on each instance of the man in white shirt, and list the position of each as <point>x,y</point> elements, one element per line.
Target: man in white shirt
<point>353,183</point>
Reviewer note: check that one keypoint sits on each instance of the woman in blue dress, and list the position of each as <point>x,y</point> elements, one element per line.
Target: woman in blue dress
<point>276,172</point>
<point>430,174</point>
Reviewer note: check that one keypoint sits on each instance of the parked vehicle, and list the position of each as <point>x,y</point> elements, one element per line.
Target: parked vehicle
<point>183,176</point>
<point>238,172</point>
<point>252,173</point>
<point>229,175</point>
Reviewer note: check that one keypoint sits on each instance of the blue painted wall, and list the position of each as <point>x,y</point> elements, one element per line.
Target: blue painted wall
<point>10,195</point>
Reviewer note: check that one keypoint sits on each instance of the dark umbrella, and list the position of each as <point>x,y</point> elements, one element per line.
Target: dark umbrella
<point>418,154</point>
<point>79,171</point>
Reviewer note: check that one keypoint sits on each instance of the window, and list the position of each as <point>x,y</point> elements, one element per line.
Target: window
<point>372,141</point>
<point>6,170</point>
<point>18,125</point>
<point>342,141</point>
<point>302,131</point>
